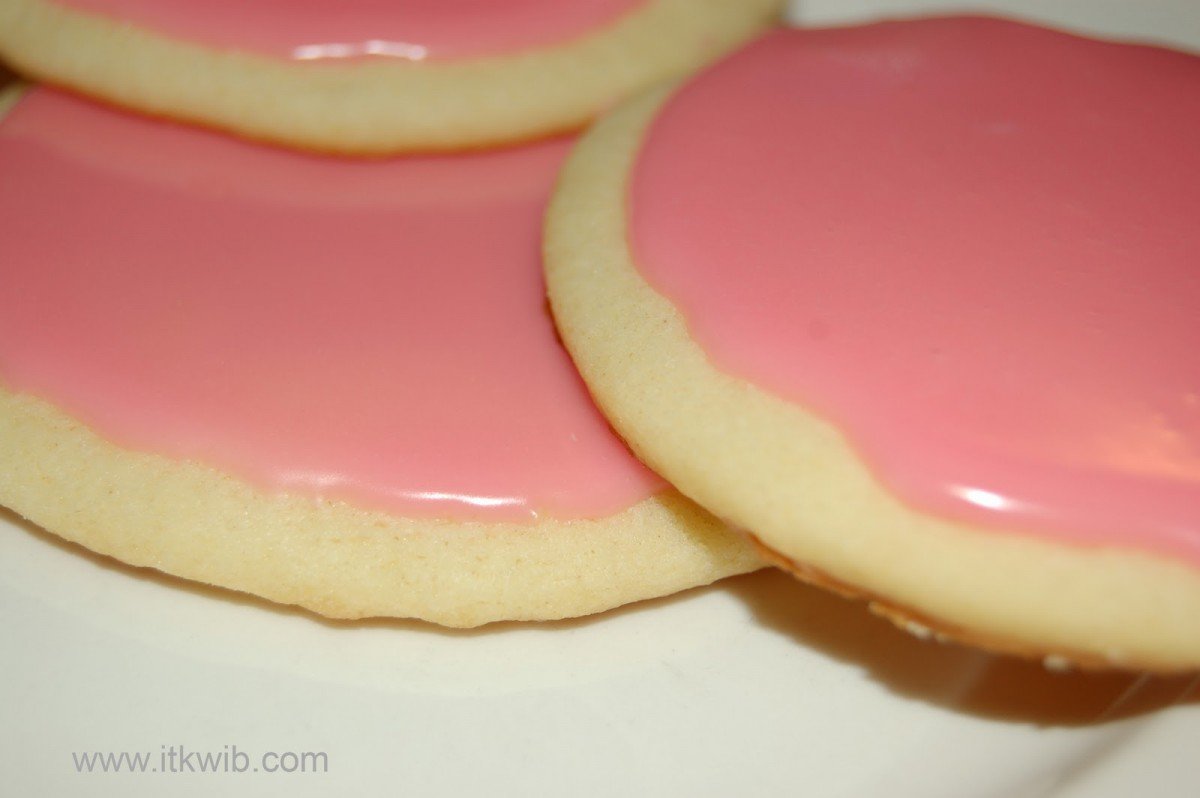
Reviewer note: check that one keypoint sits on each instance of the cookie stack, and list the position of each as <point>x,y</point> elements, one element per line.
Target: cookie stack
<point>910,306</point>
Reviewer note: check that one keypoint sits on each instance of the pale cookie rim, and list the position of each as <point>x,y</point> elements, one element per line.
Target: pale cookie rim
<point>342,561</point>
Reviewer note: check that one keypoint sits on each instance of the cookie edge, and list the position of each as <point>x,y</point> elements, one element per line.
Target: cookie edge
<point>375,107</point>
<point>341,561</point>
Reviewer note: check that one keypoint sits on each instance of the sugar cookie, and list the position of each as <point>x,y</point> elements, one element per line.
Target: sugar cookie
<point>330,383</point>
<point>916,304</point>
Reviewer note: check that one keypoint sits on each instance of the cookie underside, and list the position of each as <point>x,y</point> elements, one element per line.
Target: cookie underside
<point>374,107</point>
<point>767,466</point>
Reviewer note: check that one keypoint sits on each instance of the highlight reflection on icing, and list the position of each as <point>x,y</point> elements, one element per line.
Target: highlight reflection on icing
<point>971,244</point>
<point>373,331</point>
<point>413,30</point>
<point>405,50</point>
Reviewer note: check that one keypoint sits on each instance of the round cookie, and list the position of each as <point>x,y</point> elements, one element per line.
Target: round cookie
<point>330,383</point>
<point>368,77</point>
<point>914,303</point>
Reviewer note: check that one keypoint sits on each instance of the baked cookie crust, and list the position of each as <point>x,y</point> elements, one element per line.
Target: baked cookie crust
<point>342,561</point>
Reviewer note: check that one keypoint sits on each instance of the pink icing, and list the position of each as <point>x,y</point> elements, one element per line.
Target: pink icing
<point>409,29</point>
<point>973,245</point>
<point>368,331</point>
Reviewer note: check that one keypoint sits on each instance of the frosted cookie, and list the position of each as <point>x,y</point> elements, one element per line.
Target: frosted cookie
<point>916,304</point>
<point>370,77</point>
<point>330,383</point>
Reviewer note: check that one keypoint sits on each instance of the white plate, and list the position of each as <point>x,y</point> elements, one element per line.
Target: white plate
<point>757,685</point>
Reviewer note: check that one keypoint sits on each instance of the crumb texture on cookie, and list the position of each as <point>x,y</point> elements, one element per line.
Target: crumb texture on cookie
<point>339,560</point>
<point>771,466</point>
<point>381,105</point>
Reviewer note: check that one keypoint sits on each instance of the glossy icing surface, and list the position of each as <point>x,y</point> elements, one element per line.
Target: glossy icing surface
<point>971,244</point>
<point>409,29</point>
<point>369,331</point>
